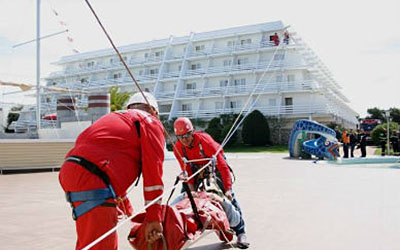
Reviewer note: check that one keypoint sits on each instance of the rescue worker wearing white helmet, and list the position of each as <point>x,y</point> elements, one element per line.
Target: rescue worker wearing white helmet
<point>108,157</point>
<point>195,145</point>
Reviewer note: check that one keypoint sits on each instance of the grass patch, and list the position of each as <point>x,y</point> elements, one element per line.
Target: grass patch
<point>241,148</point>
<point>378,151</point>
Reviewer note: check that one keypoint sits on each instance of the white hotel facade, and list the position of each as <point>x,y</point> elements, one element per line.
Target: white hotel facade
<point>207,74</point>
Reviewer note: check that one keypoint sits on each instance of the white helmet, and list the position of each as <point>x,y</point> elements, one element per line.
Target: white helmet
<point>138,98</point>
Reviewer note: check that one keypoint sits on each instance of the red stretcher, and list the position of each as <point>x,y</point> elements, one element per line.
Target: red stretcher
<point>181,226</point>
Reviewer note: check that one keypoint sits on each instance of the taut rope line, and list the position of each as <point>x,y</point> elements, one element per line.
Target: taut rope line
<point>194,174</point>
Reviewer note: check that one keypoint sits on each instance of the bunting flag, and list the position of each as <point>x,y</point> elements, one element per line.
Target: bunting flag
<point>63,24</point>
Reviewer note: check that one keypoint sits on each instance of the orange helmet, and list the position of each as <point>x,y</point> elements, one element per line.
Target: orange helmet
<point>182,126</point>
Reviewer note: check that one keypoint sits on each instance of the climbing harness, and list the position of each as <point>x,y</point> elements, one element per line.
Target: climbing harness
<point>90,198</point>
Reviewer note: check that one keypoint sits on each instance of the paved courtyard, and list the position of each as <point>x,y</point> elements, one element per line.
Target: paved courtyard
<point>288,204</point>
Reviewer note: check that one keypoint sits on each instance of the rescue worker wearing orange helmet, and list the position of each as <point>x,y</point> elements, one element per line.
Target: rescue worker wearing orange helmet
<point>194,145</point>
<point>108,157</point>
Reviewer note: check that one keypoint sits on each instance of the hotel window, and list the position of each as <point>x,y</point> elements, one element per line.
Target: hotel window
<point>242,61</point>
<point>179,67</point>
<point>234,104</point>
<point>230,43</point>
<point>140,72</point>
<point>111,60</point>
<point>153,71</point>
<point>289,104</point>
<point>279,57</point>
<point>227,62</point>
<point>290,78</point>
<point>90,64</point>
<point>165,108</point>
<point>223,83</point>
<point>187,107</point>
<point>146,55</point>
<point>245,41</point>
<point>279,78</point>
<point>240,82</point>
<point>199,47</point>
<point>159,53</point>
<point>117,76</point>
<point>219,105</point>
<point>288,101</point>
<point>195,66</point>
<point>272,102</point>
<point>84,80</point>
<point>191,85</point>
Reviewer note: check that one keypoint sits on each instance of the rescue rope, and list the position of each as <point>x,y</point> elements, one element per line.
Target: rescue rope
<point>228,136</point>
<point>173,187</point>
<point>125,65</point>
<point>234,127</point>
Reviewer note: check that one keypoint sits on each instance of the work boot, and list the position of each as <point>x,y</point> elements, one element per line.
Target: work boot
<point>242,242</point>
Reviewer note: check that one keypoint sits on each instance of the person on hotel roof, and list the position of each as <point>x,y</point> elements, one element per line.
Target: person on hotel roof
<point>107,158</point>
<point>194,145</point>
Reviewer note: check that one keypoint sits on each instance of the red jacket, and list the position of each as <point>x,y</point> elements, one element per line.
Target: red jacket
<point>113,144</point>
<point>210,147</point>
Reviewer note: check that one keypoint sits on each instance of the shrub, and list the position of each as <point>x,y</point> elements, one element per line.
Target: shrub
<point>381,129</point>
<point>214,129</point>
<point>255,129</point>
<point>233,138</point>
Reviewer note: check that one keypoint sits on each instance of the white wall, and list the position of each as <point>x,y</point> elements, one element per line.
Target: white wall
<point>68,130</point>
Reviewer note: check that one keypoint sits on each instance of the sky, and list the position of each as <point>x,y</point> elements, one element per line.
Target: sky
<point>359,41</point>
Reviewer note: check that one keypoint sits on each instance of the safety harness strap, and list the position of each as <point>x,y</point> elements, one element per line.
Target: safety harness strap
<point>91,167</point>
<point>89,195</point>
<point>193,204</point>
<point>91,198</point>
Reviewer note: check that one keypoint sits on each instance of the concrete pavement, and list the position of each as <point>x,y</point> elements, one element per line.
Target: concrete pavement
<point>288,204</point>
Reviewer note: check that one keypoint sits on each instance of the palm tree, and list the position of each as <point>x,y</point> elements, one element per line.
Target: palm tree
<point>118,100</point>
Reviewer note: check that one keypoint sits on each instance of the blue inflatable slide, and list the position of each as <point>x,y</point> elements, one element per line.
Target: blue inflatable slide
<point>326,146</point>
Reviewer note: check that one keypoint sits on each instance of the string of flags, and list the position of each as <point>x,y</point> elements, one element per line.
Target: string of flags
<point>64,25</point>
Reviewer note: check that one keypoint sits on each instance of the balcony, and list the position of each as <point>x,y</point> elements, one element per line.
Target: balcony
<point>195,72</point>
<point>171,74</point>
<point>166,95</point>
<point>290,110</point>
<point>190,93</point>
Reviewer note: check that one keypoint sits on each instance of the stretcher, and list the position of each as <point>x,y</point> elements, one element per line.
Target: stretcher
<point>182,227</point>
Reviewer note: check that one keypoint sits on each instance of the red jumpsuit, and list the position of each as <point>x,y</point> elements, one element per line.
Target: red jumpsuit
<point>113,144</point>
<point>210,147</point>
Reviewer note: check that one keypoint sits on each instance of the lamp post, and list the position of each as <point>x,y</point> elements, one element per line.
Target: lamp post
<point>387,113</point>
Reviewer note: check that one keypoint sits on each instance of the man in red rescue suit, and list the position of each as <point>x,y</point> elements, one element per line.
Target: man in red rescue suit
<point>193,145</point>
<point>106,160</point>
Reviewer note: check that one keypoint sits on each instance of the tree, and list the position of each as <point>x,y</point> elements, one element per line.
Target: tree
<point>256,129</point>
<point>117,100</point>
<point>10,118</point>
<point>395,114</point>
<point>233,139</point>
<point>214,129</point>
<point>376,113</point>
<point>381,129</point>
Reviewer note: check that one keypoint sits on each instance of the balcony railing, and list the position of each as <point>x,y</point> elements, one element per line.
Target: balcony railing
<point>195,72</point>
<point>165,95</point>
<point>190,93</point>
<point>256,44</point>
<point>171,74</point>
<point>287,110</point>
